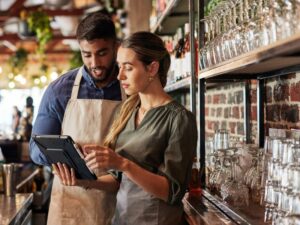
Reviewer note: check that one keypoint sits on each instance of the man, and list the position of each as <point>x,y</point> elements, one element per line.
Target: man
<point>81,104</point>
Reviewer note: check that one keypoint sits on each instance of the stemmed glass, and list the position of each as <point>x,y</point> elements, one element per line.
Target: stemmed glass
<point>296,15</point>
<point>234,29</point>
<point>287,14</point>
<point>220,173</point>
<point>204,51</point>
<point>217,41</point>
<point>252,177</point>
<point>226,15</point>
<point>232,190</point>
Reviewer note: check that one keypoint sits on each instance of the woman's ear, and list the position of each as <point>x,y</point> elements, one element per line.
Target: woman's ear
<point>153,68</point>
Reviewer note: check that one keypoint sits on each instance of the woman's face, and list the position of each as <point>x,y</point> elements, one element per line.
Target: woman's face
<point>133,75</point>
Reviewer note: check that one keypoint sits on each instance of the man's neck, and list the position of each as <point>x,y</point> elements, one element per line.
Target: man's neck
<point>102,84</point>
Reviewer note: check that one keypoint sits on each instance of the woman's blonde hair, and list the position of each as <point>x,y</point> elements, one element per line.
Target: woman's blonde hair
<point>148,48</point>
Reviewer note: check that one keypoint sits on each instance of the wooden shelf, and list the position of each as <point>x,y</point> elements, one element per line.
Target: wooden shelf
<point>175,15</point>
<point>184,83</point>
<point>279,55</point>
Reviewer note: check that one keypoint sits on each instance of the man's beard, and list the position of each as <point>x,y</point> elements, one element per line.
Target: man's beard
<point>107,72</point>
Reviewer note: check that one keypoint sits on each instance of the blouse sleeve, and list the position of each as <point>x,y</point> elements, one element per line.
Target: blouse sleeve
<point>179,154</point>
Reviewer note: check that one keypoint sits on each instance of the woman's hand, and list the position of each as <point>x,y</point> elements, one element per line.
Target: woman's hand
<point>67,177</point>
<point>98,157</point>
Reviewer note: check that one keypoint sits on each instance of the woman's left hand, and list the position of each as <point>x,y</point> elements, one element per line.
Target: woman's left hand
<point>103,158</point>
<point>66,175</point>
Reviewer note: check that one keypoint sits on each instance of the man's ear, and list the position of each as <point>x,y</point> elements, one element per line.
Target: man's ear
<point>153,68</point>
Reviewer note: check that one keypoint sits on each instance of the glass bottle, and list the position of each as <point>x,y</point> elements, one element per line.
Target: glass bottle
<point>195,185</point>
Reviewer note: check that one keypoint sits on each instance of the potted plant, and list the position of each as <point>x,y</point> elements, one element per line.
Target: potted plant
<point>39,23</point>
<point>18,60</point>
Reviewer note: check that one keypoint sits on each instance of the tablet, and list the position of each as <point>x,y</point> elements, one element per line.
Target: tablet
<point>61,148</point>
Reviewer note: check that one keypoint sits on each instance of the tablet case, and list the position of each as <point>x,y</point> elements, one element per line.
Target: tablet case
<point>61,148</point>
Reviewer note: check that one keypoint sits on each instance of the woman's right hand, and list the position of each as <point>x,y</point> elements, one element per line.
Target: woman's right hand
<point>103,158</point>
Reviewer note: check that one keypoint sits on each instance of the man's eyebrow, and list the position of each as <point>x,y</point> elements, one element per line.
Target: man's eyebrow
<point>99,50</point>
<point>102,49</point>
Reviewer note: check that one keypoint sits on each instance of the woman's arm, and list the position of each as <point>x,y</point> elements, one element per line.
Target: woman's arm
<point>154,184</point>
<point>68,178</point>
<point>106,158</point>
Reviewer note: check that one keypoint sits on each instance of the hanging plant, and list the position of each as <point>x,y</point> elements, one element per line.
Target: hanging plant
<point>210,6</point>
<point>18,60</point>
<point>76,60</point>
<point>39,23</point>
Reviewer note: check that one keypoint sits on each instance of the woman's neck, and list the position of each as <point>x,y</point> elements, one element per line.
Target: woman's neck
<point>154,99</point>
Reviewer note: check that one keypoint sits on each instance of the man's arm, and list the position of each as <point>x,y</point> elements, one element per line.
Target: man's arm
<point>48,121</point>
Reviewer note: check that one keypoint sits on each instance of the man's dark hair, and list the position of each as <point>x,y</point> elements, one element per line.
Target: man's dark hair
<point>96,26</point>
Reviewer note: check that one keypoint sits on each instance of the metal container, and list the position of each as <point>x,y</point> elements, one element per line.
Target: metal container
<point>9,178</point>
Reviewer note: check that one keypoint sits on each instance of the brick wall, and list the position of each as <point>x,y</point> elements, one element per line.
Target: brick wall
<point>283,102</point>
<point>224,106</point>
<point>224,109</point>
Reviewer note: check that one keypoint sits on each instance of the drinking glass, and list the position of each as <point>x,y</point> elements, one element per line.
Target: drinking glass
<point>234,191</point>
<point>221,139</point>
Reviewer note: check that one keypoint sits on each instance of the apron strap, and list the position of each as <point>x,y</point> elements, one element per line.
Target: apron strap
<point>75,89</point>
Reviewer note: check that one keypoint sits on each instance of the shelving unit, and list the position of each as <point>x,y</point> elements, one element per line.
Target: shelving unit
<point>176,14</point>
<point>181,84</point>
<point>279,58</point>
<point>276,59</point>
<point>279,55</point>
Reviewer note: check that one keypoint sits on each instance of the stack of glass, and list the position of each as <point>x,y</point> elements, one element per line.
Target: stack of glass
<point>234,170</point>
<point>235,27</point>
<point>282,180</point>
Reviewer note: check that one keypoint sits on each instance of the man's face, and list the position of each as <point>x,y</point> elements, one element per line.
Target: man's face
<point>99,57</point>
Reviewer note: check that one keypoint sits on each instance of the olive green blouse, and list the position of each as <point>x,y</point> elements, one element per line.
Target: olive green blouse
<point>163,143</point>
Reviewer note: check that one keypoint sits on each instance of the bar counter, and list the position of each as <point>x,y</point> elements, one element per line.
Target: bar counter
<point>15,210</point>
<point>29,203</point>
<point>210,210</point>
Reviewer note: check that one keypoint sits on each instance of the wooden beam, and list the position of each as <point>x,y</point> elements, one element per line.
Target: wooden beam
<point>7,52</point>
<point>52,44</point>
<point>4,15</point>
<point>15,37</point>
<point>16,7</point>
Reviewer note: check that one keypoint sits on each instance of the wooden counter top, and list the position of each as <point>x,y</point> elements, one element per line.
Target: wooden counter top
<point>13,209</point>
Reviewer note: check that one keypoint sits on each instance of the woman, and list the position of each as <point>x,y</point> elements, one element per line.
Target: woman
<point>151,143</point>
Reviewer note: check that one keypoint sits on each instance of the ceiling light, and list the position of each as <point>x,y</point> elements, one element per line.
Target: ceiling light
<point>11,84</point>
<point>36,81</point>
<point>44,79</point>
<point>53,75</point>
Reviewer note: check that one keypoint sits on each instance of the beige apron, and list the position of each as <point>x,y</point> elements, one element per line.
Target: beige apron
<point>87,121</point>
